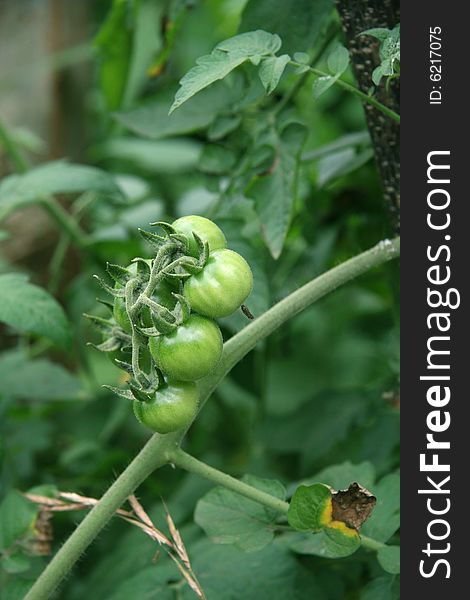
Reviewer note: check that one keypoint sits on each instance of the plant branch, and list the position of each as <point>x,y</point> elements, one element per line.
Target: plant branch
<point>159,449</point>
<point>244,341</point>
<point>347,141</point>
<point>150,458</point>
<point>354,90</point>
<point>371,544</point>
<point>187,462</point>
<point>66,222</point>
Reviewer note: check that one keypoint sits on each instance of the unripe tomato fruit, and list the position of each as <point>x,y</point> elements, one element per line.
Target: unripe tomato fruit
<point>191,351</point>
<point>221,287</point>
<point>173,407</point>
<point>206,229</point>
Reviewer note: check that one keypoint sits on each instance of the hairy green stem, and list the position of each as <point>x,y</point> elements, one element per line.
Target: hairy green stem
<point>159,449</point>
<point>150,458</point>
<point>347,141</point>
<point>354,90</point>
<point>187,462</point>
<point>371,544</point>
<point>239,345</point>
<point>66,222</point>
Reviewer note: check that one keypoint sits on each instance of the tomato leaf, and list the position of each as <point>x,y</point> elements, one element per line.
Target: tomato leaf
<point>229,518</point>
<point>226,56</point>
<point>274,193</point>
<point>36,379</point>
<point>271,70</point>
<point>328,543</point>
<point>53,178</point>
<point>338,60</point>
<point>151,120</point>
<point>307,507</point>
<point>30,309</point>
<point>389,559</point>
<point>226,573</point>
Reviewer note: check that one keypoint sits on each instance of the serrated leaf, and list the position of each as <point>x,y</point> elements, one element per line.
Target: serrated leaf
<point>271,70</point>
<point>229,518</point>
<point>274,193</point>
<point>36,379</point>
<point>338,60</point>
<point>389,52</point>
<point>17,516</point>
<point>30,309</point>
<point>53,178</point>
<point>251,43</point>
<point>308,507</point>
<point>209,69</point>
<point>389,559</point>
<point>226,56</point>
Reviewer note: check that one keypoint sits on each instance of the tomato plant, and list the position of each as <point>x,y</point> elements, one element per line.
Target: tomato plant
<point>222,232</point>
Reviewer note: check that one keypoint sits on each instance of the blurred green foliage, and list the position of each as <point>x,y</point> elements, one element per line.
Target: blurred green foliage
<point>316,402</point>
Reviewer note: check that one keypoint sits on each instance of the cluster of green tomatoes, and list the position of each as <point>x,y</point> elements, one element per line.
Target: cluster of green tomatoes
<point>163,331</point>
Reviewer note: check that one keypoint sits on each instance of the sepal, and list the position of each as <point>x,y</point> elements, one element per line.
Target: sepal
<point>120,274</point>
<point>116,292</point>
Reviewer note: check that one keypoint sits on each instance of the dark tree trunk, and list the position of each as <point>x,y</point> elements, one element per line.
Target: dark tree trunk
<point>356,17</point>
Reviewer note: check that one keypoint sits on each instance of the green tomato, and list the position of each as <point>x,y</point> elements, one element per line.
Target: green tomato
<point>221,287</point>
<point>173,407</point>
<point>191,351</point>
<point>204,228</point>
